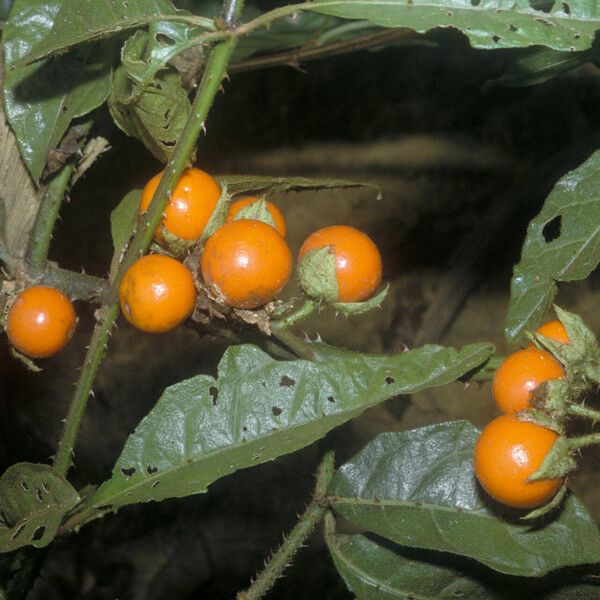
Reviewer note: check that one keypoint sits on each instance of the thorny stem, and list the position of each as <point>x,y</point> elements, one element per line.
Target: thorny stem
<point>584,440</point>
<point>579,410</point>
<point>4,255</point>
<point>307,307</point>
<point>297,345</point>
<point>311,517</point>
<point>209,86</point>
<point>41,235</point>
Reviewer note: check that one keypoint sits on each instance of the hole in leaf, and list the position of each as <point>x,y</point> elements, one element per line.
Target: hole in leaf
<point>496,38</point>
<point>155,483</point>
<point>276,411</point>
<point>331,398</point>
<point>152,470</point>
<point>24,486</point>
<point>475,2</point>
<point>214,393</point>
<point>552,228</point>
<point>513,28</point>
<point>287,382</point>
<point>38,534</point>
<point>449,14</point>
<point>389,380</point>
<point>39,495</point>
<point>18,531</point>
<point>244,428</point>
<point>576,36</point>
<point>566,8</point>
<point>105,507</point>
<point>65,108</point>
<point>128,472</point>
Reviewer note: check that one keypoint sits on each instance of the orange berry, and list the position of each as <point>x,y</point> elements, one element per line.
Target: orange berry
<point>236,206</point>
<point>507,453</point>
<point>519,374</point>
<point>247,263</point>
<point>191,205</point>
<point>40,321</point>
<point>157,293</point>
<point>358,265</point>
<point>554,330</point>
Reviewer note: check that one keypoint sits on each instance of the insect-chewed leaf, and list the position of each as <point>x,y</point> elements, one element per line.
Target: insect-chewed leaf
<point>562,244</point>
<point>568,26</point>
<point>375,569</point>
<point>260,408</point>
<point>84,21</point>
<point>243,184</point>
<point>418,489</point>
<point>155,112</point>
<point>41,100</point>
<point>33,500</point>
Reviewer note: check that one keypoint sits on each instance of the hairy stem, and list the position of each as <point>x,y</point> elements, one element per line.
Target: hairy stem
<point>584,440</point>
<point>293,542</point>
<point>297,345</point>
<point>307,308</point>
<point>295,57</point>
<point>579,410</point>
<point>41,236</point>
<point>211,81</point>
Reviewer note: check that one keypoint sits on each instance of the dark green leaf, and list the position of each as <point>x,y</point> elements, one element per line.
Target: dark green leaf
<point>418,489</point>
<point>562,244</point>
<point>487,23</point>
<point>156,112</point>
<point>122,223</point>
<point>258,409</point>
<point>375,569</point>
<point>244,184</point>
<point>537,65</point>
<point>5,8</point>
<point>84,21</point>
<point>33,500</point>
<point>41,100</point>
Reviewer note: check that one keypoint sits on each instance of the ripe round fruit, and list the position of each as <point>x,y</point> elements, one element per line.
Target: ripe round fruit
<point>357,260</point>
<point>191,204</point>
<point>554,330</point>
<point>157,293</point>
<point>507,453</point>
<point>247,263</point>
<point>236,206</point>
<point>40,321</point>
<point>521,373</point>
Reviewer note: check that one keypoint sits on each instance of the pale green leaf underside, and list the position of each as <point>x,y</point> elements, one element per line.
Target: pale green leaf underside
<point>573,211</point>
<point>487,24</point>
<point>258,409</point>
<point>418,489</point>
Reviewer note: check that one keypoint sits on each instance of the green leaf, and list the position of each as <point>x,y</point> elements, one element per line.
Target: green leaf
<point>123,220</point>
<point>258,409</point>
<point>41,100</point>
<point>244,184</point>
<point>33,500</point>
<point>375,569</point>
<point>537,65</point>
<point>155,113</point>
<point>487,23</point>
<point>570,221</point>
<point>418,489</point>
<point>84,21</point>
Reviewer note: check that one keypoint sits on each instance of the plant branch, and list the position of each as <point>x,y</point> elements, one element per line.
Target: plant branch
<point>209,86</point>
<point>307,308</point>
<point>293,542</point>
<point>583,440</point>
<point>4,254</point>
<point>295,57</point>
<point>297,345</point>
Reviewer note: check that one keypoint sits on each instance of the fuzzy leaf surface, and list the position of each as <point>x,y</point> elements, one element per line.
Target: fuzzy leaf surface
<point>418,489</point>
<point>33,500</point>
<point>41,100</point>
<point>488,24</point>
<point>562,244</point>
<point>258,408</point>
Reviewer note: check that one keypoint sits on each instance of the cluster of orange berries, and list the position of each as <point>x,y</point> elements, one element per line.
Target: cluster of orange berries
<point>509,450</point>
<point>245,264</point>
